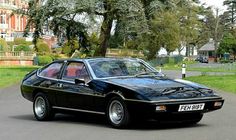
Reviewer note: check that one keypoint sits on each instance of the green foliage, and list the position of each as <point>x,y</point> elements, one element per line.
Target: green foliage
<point>55,56</point>
<point>230,13</point>
<point>20,41</point>
<point>211,26</point>
<point>57,50</point>
<point>93,40</point>
<point>10,44</point>
<point>3,45</point>
<point>69,47</point>
<point>140,24</point>
<point>150,45</point>
<point>22,48</point>
<point>44,59</point>
<point>167,30</point>
<point>227,44</point>
<point>224,61</point>
<point>190,25</point>
<point>42,47</point>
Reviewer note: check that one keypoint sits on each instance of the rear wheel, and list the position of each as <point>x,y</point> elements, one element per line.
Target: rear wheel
<point>42,108</point>
<point>117,113</point>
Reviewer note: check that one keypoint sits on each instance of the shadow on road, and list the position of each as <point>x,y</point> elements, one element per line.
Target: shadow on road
<point>100,121</point>
<point>28,117</point>
<point>154,125</point>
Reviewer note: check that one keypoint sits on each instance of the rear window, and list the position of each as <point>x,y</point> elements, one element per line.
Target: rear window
<point>51,71</point>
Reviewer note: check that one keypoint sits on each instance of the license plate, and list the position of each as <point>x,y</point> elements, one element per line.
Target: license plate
<point>191,107</point>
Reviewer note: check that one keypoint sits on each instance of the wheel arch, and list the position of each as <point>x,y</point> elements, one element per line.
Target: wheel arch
<point>114,93</point>
<point>35,92</point>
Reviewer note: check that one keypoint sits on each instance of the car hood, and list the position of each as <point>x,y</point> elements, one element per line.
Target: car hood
<point>156,88</point>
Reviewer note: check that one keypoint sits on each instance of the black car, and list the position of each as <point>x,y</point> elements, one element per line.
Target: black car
<point>202,59</point>
<point>121,89</point>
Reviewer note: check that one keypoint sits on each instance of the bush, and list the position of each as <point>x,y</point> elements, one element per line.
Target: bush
<point>55,56</point>
<point>22,48</point>
<point>43,48</point>
<point>10,44</point>
<point>224,61</point>
<point>20,41</point>
<point>69,47</point>
<point>44,59</point>
<point>3,45</point>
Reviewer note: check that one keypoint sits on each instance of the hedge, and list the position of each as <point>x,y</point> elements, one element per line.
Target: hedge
<point>44,60</point>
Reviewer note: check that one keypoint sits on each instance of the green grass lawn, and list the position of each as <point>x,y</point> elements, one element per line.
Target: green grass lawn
<point>12,75</point>
<point>193,66</point>
<point>177,67</point>
<point>225,83</point>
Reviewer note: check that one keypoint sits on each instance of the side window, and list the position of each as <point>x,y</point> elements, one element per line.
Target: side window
<point>51,71</point>
<point>75,70</point>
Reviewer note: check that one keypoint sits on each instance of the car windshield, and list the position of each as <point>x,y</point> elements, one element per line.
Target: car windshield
<point>104,68</point>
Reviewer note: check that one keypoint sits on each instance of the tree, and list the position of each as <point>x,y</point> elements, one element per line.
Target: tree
<point>130,13</point>
<point>230,13</point>
<point>62,15</point>
<point>166,29</point>
<point>212,27</point>
<point>132,19</point>
<point>187,14</point>
<point>228,44</point>
<point>3,45</point>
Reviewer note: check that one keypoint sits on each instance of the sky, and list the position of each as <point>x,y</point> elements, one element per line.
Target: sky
<point>215,4</point>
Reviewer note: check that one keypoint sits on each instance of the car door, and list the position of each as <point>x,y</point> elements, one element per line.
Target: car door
<point>77,96</point>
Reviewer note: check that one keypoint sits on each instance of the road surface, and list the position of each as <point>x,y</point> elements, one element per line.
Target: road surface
<point>17,123</point>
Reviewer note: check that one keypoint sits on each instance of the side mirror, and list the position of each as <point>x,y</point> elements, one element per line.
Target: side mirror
<point>79,81</point>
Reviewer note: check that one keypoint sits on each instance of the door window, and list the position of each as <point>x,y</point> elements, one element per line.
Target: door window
<point>75,70</point>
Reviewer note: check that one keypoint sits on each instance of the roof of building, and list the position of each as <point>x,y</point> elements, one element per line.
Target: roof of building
<point>210,46</point>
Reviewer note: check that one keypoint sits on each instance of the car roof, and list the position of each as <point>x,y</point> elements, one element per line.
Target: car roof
<point>99,59</point>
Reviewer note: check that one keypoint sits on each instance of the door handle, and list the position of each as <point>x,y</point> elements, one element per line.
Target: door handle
<point>60,85</point>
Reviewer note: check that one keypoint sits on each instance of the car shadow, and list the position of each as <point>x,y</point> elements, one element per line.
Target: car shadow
<point>82,118</point>
<point>100,121</point>
<point>23,117</point>
<point>155,125</point>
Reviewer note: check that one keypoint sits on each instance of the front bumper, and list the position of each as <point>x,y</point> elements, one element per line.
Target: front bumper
<point>148,109</point>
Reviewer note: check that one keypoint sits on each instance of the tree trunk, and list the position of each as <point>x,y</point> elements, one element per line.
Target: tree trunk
<point>105,32</point>
<point>146,3</point>
<point>105,35</point>
<point>187,51</point>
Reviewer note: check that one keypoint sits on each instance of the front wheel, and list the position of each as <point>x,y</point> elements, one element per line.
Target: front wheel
<point>117,113</point>
<point>42,108</point>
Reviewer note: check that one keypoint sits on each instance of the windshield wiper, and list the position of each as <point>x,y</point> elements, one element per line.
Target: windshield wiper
<point>148,73</point>
<point>176,90</point>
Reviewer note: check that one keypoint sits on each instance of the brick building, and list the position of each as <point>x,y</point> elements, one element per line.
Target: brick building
<point>12,26</point>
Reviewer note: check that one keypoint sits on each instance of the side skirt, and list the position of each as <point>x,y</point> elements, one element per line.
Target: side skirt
<point>78,110</point>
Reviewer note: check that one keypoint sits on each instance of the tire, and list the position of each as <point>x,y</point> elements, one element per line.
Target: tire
<point>42,108</point>
<point>117,113</point>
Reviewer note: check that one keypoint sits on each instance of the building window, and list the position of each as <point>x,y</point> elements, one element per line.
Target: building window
<point>2,19</point>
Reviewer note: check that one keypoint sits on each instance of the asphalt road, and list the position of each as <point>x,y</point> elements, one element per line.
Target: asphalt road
<point>17,123</point>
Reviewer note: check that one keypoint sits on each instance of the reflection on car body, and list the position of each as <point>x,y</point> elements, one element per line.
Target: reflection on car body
<point>120,88</point>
